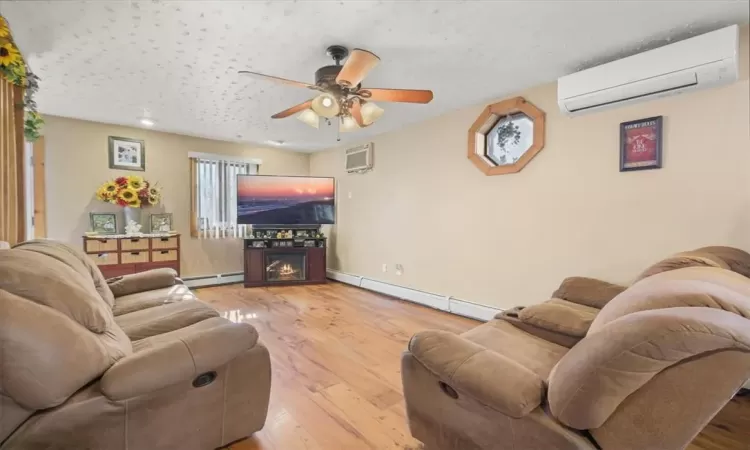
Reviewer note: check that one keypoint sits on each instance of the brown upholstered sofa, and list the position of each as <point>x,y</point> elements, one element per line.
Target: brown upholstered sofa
<point>598,366</point>
<point>134,363</point>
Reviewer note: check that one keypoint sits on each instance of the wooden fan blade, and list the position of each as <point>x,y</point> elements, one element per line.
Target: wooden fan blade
<point>279,80</point>
<point>356,67</point>
<point>356,112</point>
<point>396,95</point>
<point>292,110</point>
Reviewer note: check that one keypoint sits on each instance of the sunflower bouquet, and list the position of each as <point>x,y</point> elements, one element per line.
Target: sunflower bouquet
<point>132,191</point>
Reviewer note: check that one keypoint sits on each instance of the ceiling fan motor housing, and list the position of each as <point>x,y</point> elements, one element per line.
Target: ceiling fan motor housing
<point>326,76</point>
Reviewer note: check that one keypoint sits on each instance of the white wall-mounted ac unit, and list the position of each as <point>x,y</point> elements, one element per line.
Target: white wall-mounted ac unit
<point>359,159</point>
<point>700,62</point>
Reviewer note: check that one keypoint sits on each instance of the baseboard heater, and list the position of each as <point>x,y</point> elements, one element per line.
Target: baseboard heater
<point>214,280</point>
<point>442,302</point>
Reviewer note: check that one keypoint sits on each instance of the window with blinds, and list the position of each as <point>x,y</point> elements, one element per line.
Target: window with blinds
<point>214,197</point>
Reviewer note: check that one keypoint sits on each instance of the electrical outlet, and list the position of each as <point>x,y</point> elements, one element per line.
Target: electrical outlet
<point>385,268</point>
<point>399,269</point>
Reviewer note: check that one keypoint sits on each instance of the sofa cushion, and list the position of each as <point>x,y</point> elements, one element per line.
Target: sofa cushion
<point>606,367</point>
<point>46,356</point>
<point>560,316</point>
<point>76,259</point>
<point>165,318</point>
<point>531,352</point>
<point>684,259</point>
<point>149,299</point>
<point>737,260</point>
<point>47,281</point>
<point>587,291</point>
<point>142,281</point>
<point>691,286</point>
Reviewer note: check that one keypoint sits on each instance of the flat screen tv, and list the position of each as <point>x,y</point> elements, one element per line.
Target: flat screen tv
<point>278,200</point>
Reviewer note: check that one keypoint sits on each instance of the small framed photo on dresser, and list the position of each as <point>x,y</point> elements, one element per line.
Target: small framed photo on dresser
<point>640,144</point>
<point>161,223</point>
<point>103,223</point>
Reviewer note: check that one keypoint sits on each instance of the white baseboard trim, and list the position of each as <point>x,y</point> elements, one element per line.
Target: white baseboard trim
<point>343,277</point>
<point>412,295</point>
<point>441,302</point>
<point>214,280</point>
<point>473,310</point>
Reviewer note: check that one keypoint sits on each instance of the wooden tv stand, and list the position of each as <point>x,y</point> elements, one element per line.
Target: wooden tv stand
<point>278,262</point>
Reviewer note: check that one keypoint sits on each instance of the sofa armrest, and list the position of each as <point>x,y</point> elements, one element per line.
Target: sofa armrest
<point>177,361</point>
<point>488,377</point>
<point>588,291</point>
<point>513,316</point>
<point>142,281</point>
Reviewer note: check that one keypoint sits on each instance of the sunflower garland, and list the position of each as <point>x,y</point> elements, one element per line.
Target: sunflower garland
<point>132,191</point>
<point>14,69</point>
<point>4,28</point>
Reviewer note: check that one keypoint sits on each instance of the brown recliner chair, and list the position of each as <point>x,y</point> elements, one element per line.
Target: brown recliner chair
<point>137,363</point>
<point>658,362</point>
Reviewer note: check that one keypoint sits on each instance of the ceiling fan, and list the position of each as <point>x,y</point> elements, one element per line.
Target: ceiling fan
<point>341,92</point>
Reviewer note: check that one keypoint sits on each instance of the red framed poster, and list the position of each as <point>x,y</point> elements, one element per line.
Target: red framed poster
<point>640,144</point>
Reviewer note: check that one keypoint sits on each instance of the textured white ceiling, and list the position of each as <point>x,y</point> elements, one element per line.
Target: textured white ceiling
<point>177,61</point>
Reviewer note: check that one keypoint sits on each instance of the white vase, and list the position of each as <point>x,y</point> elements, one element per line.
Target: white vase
<point>133,214</point>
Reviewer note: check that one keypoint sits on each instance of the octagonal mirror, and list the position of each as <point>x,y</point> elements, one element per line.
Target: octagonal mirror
<point>506,136</point>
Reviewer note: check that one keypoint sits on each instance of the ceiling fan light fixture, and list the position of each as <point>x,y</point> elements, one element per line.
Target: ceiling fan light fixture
<point>309,117</point>
<point>371,113</point>
<point>348,124</point>
<point>326,105</point>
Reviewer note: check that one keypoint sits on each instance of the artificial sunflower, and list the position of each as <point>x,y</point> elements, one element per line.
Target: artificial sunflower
<point>137,183</point>
<point>104,195</point>
<point>8,54</point>
<point>153,200</point>
<point>135,203</point>
<point>154,191</point>
<point>4,28</point>
<point>110,187</point>
<point>128,195</point>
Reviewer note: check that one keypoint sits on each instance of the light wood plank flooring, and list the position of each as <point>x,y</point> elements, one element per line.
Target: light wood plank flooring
<point>335,352</point>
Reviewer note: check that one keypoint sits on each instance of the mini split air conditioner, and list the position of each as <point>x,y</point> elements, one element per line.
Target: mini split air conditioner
<point>359,159</point>
<point>700,62</point>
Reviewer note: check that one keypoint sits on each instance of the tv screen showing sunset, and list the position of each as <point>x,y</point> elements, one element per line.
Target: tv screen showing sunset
<point>272,200</point>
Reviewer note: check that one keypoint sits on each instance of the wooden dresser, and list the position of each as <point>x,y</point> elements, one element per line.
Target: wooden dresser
<point>121,255</point>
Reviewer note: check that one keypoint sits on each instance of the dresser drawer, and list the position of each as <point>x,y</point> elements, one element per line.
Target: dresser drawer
<point>163,255</point>
<point>104,259</point>
<point>131,244</point>
<point>134,257</point>
<point>164,242</point>
<point>101,245</point>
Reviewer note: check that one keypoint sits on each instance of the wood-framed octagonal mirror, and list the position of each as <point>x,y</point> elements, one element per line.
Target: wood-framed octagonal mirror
<point>506,136</point>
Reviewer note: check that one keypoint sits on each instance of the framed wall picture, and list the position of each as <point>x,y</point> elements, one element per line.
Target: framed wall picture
<point>127,154</point>
<point>161,223</point>
<point>103,223</point>
<point>640,144</point>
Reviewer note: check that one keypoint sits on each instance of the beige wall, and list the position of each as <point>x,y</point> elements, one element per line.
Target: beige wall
<point>510,239</point>
<point>77,164</point>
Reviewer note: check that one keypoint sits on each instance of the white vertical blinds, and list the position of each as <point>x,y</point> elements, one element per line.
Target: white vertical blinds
<point>216,197</point>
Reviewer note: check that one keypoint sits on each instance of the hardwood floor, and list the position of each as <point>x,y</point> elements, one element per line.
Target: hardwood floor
<point>335,352</point>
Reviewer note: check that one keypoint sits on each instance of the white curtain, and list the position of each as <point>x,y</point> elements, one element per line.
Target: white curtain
<point>216,197</point>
